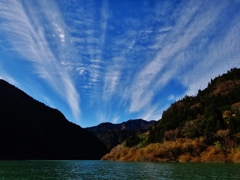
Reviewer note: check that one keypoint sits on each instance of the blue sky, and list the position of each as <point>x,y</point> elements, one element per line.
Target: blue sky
<point>110,61</point>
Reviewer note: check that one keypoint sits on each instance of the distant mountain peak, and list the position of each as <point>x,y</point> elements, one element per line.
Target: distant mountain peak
<point>113,134</point>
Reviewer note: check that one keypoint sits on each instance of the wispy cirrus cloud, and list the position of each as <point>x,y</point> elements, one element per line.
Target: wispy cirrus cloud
<point>25,28</point>
<point>125,58</point>
<point>170,61</point>
<point>88,28</point>
<point>215,51</point>
<point>5,76</point>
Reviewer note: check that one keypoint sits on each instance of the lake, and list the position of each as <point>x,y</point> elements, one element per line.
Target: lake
<point>116,170</point>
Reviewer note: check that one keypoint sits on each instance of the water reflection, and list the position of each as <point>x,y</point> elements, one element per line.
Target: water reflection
<point>116,170</point>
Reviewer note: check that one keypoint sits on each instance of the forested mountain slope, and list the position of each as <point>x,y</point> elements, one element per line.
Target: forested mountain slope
<point>216,107</point>
<point>201,128</point>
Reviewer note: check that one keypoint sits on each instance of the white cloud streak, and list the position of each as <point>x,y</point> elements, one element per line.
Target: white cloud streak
<point>28,35</point>
<point>131,67</point>
<point>193,22</point>
<point>88,35</point>
<point>122,61</point>
<point>5,76</point>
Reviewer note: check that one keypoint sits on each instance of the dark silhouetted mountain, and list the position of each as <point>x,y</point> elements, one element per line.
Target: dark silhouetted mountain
<point>114,134</point>
<point>31,130</point>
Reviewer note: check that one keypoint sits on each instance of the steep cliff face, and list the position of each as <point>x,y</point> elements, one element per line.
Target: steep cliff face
<point>31,130</point>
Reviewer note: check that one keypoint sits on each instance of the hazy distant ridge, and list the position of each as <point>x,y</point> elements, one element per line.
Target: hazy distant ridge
<point>114,134</point>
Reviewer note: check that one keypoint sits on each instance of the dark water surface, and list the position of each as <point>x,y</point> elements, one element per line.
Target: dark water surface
<point>116,170</point>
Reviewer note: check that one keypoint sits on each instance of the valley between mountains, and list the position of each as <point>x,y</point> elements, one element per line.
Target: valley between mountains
<point>201,128</point>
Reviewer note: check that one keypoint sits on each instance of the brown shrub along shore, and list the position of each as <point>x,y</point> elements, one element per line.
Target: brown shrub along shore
<point>180,150</point>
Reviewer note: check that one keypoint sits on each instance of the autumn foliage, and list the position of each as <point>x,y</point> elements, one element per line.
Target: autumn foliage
<point>202,128</point>
<point>180,150</point>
